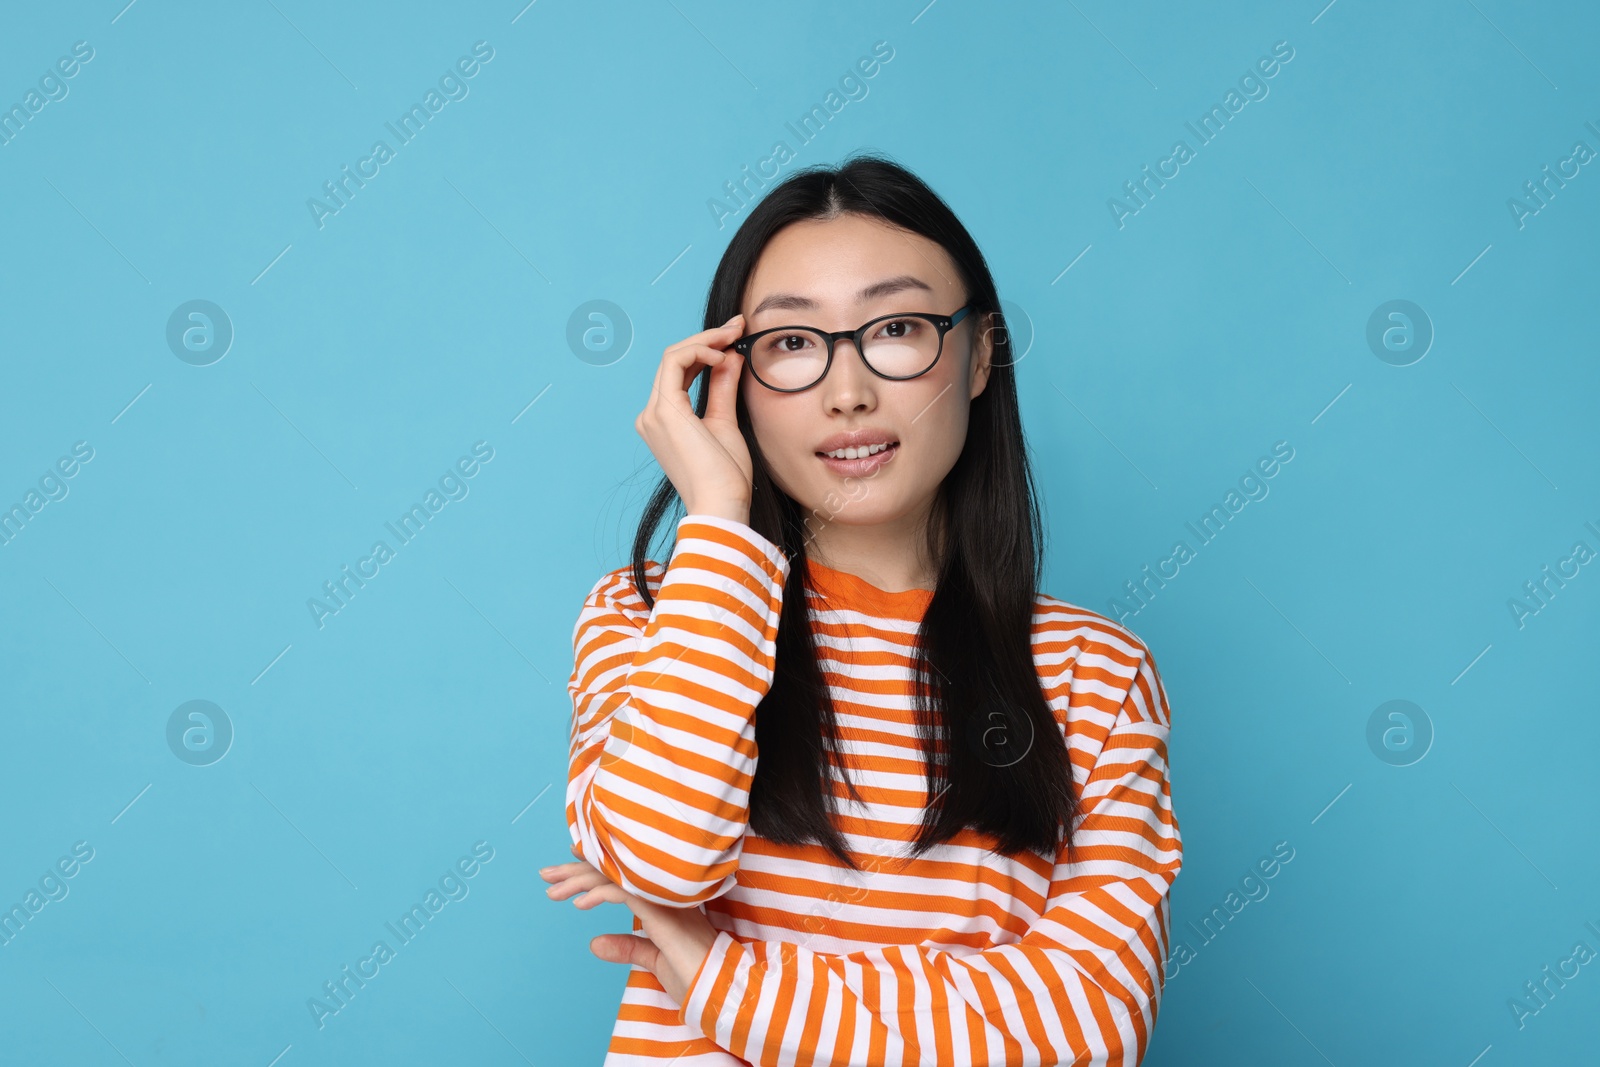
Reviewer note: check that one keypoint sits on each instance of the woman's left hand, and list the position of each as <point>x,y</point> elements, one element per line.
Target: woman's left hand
<point>676,941</point>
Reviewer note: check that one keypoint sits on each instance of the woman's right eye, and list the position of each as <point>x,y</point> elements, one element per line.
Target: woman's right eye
<point>788,342</point>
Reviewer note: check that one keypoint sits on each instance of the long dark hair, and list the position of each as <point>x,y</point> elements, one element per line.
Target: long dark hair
<point>985,727</point>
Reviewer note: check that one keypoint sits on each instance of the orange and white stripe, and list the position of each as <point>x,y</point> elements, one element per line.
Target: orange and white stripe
<point>960,956</point>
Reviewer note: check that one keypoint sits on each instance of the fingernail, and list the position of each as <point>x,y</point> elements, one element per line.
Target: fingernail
<point>545,871</point>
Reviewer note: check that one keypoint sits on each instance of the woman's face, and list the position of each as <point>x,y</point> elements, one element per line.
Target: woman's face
<point>836,275</point>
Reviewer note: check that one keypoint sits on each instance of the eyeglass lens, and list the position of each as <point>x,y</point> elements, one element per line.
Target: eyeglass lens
<point>795,358</point>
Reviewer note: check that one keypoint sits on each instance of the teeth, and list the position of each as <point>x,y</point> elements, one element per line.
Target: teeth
<point>856,453</point>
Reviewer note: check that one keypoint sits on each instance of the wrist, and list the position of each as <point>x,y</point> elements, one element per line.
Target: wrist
<point>698,981</point>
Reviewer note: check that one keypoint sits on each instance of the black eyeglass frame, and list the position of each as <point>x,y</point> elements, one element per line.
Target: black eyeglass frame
<point>943,323</point>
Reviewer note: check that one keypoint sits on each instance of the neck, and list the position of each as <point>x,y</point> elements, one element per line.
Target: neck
<point>891,555</point>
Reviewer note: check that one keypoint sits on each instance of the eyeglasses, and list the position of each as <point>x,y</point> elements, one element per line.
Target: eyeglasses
<point>788,359</point>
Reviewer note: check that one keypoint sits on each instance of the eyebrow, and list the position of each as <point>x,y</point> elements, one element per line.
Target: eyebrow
<point>796,302</point>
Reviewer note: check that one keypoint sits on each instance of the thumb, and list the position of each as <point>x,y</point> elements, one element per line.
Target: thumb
<point>625,948</point>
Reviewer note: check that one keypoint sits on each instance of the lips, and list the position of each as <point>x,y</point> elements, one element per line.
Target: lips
<point>857,439</point>
<point>861,466</point>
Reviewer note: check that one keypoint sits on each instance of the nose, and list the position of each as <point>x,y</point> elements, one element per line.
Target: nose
<point>849,384</point>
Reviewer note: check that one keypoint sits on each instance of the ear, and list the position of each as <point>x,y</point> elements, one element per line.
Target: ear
<point>983,354</point>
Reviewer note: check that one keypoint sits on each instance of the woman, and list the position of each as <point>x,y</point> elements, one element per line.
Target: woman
<point>957,842</point>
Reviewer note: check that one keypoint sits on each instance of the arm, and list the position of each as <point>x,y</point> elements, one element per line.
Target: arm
<point>1082,986</point>
<point>663,728</point>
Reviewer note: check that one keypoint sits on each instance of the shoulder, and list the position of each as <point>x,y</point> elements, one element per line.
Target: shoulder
<point>1061,627</point>
<point>707,550</point>
<point>1090,663</point>
<point>617,587</point>
<point>614,598</point>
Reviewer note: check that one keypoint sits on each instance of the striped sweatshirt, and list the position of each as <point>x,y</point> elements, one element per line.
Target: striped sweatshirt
<point>960,956</point>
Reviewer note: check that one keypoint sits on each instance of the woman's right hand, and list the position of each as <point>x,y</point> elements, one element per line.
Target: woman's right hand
<point>706,459</point>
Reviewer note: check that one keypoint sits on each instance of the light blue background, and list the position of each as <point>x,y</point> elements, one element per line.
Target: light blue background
<point>1228,314</point>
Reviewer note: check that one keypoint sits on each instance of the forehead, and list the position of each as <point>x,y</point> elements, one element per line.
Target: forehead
<point>847,264</point>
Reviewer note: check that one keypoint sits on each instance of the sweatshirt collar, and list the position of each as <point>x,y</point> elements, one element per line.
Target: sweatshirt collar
<point>840,589</point>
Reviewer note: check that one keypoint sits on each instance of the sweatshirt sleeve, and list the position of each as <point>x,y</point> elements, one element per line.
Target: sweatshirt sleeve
<point>1082,986</point>
<point>662,744</point>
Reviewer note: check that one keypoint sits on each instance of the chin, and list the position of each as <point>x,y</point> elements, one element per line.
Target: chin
<point>865,508</point>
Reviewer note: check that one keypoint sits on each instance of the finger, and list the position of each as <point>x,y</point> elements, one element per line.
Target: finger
<point>626,948</point>
<point>715,335</point>
<point>701,348</point>
<point>724,398</point>
<point>679,365</point>
<point>705,356</point>
<point>666,406</point>
<point>564,870</point>
<point>611,948</point>
<point>692,359</point>
<point>578,883</point>
<point>609,893</point>
<point>721,335</point>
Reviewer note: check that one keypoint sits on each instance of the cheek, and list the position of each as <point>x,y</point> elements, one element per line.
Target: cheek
<point>939,435</point>
<point>941,416</point>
